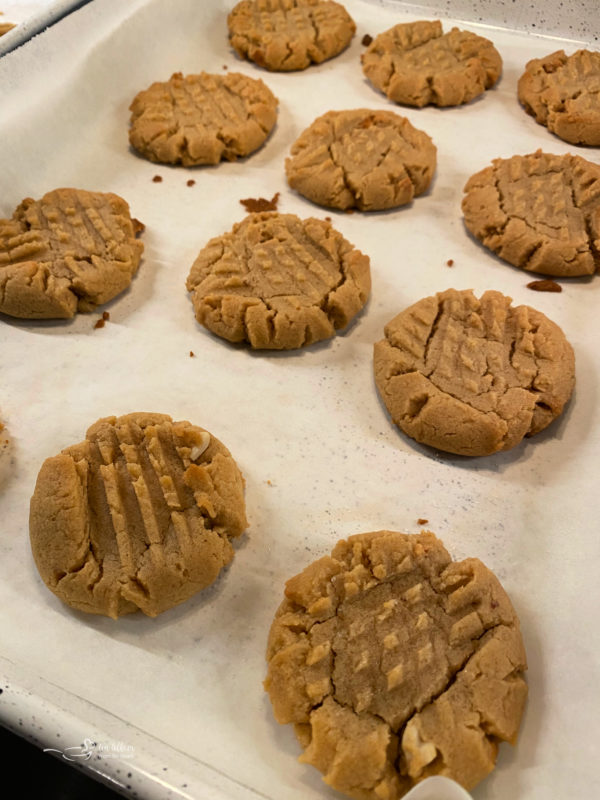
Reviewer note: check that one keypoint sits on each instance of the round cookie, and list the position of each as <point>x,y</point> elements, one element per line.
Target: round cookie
<point>395,663</point>
<point>276,281</point>
<point>370,160</point>
<point>539,212</point>
<point>562,92</point>
<point>202,119</point>
<point>286,35</point>
<point>137,516</point>
<point>472,376</point>
<point>70,251</point>
<point>417,64</point>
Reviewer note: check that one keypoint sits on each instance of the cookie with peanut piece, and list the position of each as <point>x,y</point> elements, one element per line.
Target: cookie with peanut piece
<point>395,663</point>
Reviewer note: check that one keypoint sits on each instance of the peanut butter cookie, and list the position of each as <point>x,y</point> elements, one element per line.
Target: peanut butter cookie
<point>276,281</point>
<point>472,376</point>
<point>417,64</point>
<point>285,35</point>
<point>202,119</point>
<point>137,516</point>
<point>70,251</point>
<point>540,212</point>
<point>395,663</point>
<point>370,160</point>
<point>563,93</point>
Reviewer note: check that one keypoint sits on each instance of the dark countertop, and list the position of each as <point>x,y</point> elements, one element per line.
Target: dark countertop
<point>42,775</point>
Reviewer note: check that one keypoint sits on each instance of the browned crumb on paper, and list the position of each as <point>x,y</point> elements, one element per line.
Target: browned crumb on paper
<point>192,354</point>
<point>138,227</point>
<point>254,205</point>
<point>100,323</point>
<point>422,521</point>
<point>450,262</point>
<point>191,182</point>
<point>545,286</point>
<point>327,219</point>
<point>5,27</point>
<point>157,179</point>
<point>225,66</point>
<point>366,39</point>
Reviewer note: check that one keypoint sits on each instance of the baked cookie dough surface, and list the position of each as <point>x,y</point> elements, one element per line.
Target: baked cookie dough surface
<point>279,282</point>
<point>395,663</point>
<point>470,376</point>
<point>70,251</point>
<point>539,212</point>
<point>563,93</point>
<point>285,35</point>
<point>202,119</point>
<point>137,516</point>
<point>417,64</point>
<point>364,159</point>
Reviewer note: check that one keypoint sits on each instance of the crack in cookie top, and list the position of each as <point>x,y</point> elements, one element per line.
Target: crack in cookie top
<point>279,282</point>
<point>137,516</point>
<point>285,35</point>
<point>202,119</point>
<point>364,159</point>
<point>563,93</point>
<point>395,663</point>
<point>70,251</point>
<point>539,212</point>
<point>470,376</point>
<point>417,64</point>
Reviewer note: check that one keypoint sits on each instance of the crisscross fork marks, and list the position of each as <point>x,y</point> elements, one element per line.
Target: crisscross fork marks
<point>365,651</point>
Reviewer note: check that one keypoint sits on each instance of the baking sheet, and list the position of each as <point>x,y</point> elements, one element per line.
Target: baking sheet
<point>30,17</point>
<point>319,454</point>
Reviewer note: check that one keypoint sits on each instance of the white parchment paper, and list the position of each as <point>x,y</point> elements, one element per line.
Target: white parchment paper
<point>319,454</point>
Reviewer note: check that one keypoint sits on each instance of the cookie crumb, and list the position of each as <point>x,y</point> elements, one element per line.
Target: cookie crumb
<point>157,179</point>
<point>138,227</point>
<point>366,40</point>
<point>256,204</point>
<point>192,354</point>
<point>327,219</point>
<point>422,521</point>
<point>105,316</point>
<point>99,324</point>
<point>225,66</point>
<point>191,182</point>
<point>450,262</point>
<point>545,286</point>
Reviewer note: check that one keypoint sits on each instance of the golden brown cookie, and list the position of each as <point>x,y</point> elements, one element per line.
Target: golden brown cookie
<point>563,93</point>
<point>540,212</point>
<point>137,516</point>
<point>202,119</point>
<point>70,251</point>
<point>370,160</point>
<point>279,282</point>
<point>285,35</point>
<point>472,376</point>
<point>395,663</point>
<point>417,64</point>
